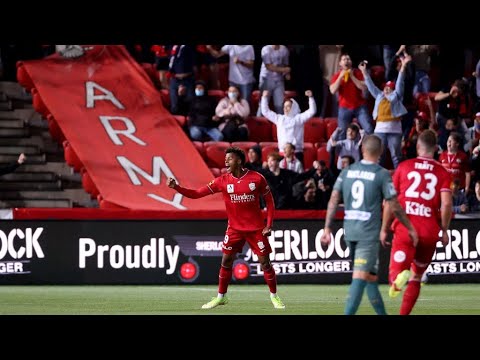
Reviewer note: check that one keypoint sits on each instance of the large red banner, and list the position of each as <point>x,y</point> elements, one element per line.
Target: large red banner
<point>110,112</point>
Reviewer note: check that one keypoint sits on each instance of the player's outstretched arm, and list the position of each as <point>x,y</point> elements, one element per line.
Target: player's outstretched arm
<point>331,211</point>
<point>401,215</point>
<point>189,193</point>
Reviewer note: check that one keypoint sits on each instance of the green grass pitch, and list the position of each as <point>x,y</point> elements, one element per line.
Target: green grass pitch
<point>435,299</point>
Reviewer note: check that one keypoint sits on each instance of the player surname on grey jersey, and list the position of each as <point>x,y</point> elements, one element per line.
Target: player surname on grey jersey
<point>363,186</point>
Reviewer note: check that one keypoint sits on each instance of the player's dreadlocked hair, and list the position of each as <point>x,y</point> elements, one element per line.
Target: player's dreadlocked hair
<point>237,151</point>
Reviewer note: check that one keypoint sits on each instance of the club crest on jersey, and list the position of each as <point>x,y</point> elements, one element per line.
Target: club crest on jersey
<point>251,186</point>
<point>230,188</point>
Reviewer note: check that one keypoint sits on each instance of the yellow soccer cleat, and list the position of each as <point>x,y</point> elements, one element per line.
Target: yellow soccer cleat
<point>277,302</point>
<point>215,302</point>
<point>399,283</point>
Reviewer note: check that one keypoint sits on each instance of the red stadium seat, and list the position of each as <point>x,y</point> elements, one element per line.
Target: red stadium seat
<point>244,145</point>
<point>200,148</point>
<point>323,154</point>
<point>182,120</point>
<point>223,75</point>
<point>377,73</point>
<point>152,73</point>
<point>54,130</point>
<point>268,148</point>
<point>215,171</point>
<point>71,157</point>
<point>315,130</point>
<point>88,184</point>
<point>38,103</point>
<point>216,154</point>
<point>309,155</point>
<point>274,132</point>
<point>259,129</point>
<point>165,97</point>
<point>331,126</point>
<point>23,77</point>
<point>217,94</point>
<point>290,94</point>
<point>255,101</point>
<point>211,143</point>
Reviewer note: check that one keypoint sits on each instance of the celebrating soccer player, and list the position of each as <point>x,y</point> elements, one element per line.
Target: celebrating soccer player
<point>241,189</point>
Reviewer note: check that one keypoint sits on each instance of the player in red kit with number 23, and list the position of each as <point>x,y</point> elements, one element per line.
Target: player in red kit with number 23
<point>423,188</point>
<point>241,189</point>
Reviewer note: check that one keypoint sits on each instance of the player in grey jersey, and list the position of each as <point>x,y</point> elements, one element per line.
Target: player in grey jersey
<point>363,186</point>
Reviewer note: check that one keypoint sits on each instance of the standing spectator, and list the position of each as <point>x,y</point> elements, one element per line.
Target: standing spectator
<point>329,60</point>
<point>363,186</point>
<point>290,126</point>
<point>388,112</point>
<point>350,86</point>
<point>273,73</point>
<point>423,188</point>
<point>181,72</point>
<point>232,111</point>
<point>476,74</point>
<point>421,57</point>
<point>240,70</point>
<point>390,52</point>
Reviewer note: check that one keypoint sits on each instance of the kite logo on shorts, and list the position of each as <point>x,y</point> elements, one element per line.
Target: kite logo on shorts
<point>261,245</point>
<point>399,256</point>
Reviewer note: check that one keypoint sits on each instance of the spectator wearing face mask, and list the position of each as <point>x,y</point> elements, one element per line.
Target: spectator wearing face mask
<point>232,111</point>
<point>202,121</point>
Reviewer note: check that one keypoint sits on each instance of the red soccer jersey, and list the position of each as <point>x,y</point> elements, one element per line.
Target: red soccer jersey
<point>419,183</point>
<point>349,96</point>
<point>456,164</point>
<point>242,199</point>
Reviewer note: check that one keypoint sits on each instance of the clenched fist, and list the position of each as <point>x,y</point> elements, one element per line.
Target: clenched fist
<point>171,183</point>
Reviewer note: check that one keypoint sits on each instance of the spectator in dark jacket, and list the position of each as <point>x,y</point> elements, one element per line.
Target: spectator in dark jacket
<point>202,120</point>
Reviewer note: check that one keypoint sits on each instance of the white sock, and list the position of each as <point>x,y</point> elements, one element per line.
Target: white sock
<point>220,296</point>
<point>273,294</point>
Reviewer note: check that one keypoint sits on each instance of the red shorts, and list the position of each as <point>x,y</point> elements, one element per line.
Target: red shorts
<point>235,240</point>
<point>404,256</point>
